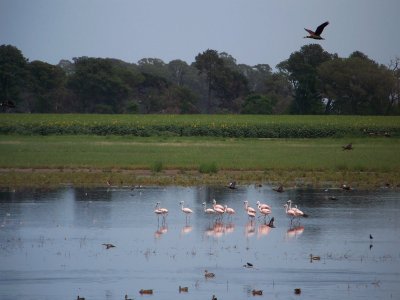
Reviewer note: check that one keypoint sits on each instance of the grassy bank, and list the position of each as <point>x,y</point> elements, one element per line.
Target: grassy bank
<point>192,160</point>
<point>247,126</point>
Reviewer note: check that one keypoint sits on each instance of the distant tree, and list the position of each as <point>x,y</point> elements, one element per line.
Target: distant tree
<point>103,85</point>
<point>13,74</point>
<point>301,70</point>
<point>258,104</point>
<point>209,64</point>
<point>180,100</point>
<point>153,66</point>
<point>47,87</point>
<point>67,66</point>
<point>356,85</point>
<point>178,69</point>
<point>394,99</point>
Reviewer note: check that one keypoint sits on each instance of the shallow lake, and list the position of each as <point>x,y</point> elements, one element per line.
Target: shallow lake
<point>51,244</point>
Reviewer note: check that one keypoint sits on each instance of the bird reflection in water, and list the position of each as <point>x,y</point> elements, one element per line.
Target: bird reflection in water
<point>186,229</point>
<point>161,230</point>
<point>218,229</point>
<point>250,229</point>
<point>294,232</point>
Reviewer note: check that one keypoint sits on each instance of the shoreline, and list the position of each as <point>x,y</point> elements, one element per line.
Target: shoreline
<point>98,177</point>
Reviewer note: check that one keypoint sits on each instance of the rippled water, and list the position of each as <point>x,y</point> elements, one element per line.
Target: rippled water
<point>51,244</point>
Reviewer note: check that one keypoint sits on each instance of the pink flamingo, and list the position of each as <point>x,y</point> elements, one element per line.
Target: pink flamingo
<point>251,212</point>
<point>297,211</point>
<point>248,208</point>
<point>215,205</point>
<point>160,211</point>
<point>230,211</point>
<point>290,213</point>
<point>208,211</point>
<point>219,211</point>
<point>263,205</point>
<point>264,211</point>
<point>186,210</point>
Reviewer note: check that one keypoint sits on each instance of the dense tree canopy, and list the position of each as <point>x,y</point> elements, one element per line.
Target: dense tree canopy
<point>310,81</point>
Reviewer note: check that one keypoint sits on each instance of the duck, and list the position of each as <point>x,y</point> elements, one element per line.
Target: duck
<point>108,245</point>
<point>314,257</point>
<point>208,274</point>
<point>147,292</point>
<point>257,292</point>
<point>183,289</point>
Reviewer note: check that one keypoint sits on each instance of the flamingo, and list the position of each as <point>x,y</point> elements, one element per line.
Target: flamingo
<point>248,208</point>
<point>264,211</point>
<point>251,212</point>
<point>208,211</point>
<point>230,211</point>
<point>297,211</point>
<point>263,205</point>
<point>186,210</point>
<point>317,34</point>
<point>289,212</point>
<point>160,211</point>
<point>215,205</point>
<point>219,211</point>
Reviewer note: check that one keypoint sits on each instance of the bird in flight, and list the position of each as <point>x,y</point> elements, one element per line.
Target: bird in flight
<point>317,34</point>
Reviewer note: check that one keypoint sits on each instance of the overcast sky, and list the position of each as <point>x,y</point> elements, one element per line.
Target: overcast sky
<point>252,31</point>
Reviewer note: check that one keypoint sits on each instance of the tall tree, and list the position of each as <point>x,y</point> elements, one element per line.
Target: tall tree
<point>13,74</point>
<point>209,63</point>
<point>47,86</point>
<point>301,70</point>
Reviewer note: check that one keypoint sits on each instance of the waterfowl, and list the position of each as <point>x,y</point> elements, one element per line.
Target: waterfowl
<point>317,34</point>
<point>248,265</point>
<point>108,246</point>
<point>279,189</point>
<point>126,298</point>
<point>297,291</point>
<point>232,185</point>
<point>257,292</point>
<point>184,289</point>
<point>80,298</point>
<point>346,187</point>
<point>314,257</point>
<point>208,274</point>
<point>213,297</point>
<point>348,147</point>
<point>147,292</point>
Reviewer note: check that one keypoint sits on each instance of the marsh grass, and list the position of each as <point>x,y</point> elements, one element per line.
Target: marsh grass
<point>208,168</point>
<point>157,166</point>
<point>92,160</point>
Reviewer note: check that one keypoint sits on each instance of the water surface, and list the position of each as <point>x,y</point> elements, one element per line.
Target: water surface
<point>51,244</point>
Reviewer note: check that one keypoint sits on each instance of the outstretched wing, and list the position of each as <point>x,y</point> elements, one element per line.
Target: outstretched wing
<point>320,28</point>
<point>309,31</point>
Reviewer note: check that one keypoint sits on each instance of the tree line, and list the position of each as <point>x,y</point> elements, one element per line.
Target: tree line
<point>310,81</point>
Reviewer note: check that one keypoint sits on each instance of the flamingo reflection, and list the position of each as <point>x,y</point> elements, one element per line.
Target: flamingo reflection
<point>186,229</point>
<point>219,228</point>
<point>250,229</point>
<point>294,232</point>
<point>160,231</point>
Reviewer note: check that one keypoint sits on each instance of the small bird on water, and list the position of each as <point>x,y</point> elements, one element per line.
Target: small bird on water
<point>208,274</point>
<point>108,246</point>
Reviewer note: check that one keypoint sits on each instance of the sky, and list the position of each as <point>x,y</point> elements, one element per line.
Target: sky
<point>252,31</point>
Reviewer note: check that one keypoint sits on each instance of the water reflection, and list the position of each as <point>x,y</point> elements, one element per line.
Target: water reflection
<point>52,240</point>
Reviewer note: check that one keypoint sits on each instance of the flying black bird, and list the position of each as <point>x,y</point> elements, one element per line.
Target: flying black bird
<point>317,34</point>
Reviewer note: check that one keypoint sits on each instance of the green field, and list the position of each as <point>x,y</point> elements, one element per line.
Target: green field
<point>246,126</point>
<point>80,149</point>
